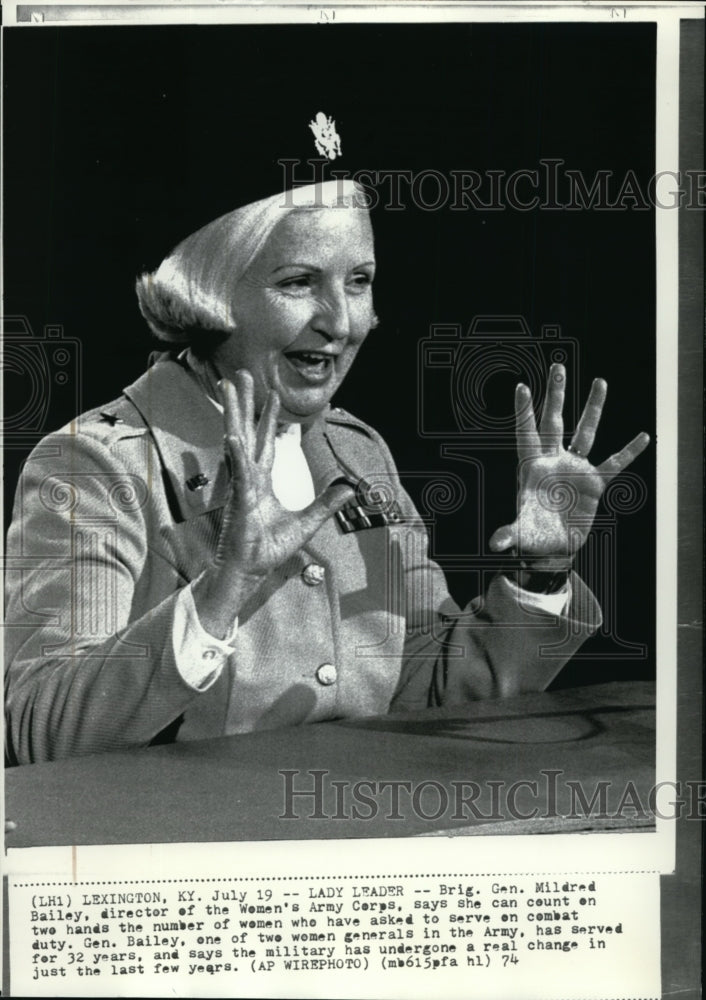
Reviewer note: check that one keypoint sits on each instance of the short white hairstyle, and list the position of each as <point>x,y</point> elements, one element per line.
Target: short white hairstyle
<point>190,295</point>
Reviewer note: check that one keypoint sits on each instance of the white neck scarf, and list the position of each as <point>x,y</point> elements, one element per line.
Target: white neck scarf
<point>291,477</point>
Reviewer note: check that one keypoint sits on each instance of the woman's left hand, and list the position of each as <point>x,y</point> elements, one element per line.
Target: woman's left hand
<point>559,488</point>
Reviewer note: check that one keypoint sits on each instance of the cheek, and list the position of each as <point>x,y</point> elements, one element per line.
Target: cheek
<point>362,321</point>
<point>266,325</point>
<point>364,313</point>
<point>280,323</point>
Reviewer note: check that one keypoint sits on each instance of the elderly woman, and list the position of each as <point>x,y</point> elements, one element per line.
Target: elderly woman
<point>219,551</point>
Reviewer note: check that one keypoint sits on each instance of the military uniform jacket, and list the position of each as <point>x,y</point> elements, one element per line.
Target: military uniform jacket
<point>122,508</point>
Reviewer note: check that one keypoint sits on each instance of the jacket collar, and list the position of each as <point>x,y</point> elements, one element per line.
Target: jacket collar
<point>188,433</point>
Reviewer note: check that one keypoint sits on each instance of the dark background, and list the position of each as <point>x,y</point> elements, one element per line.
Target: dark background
<point>121,141</point>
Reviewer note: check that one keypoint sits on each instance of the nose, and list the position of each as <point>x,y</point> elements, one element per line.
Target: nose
<point>332,317</point>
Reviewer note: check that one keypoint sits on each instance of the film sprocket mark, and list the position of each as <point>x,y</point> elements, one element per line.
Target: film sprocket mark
<point>42,377</point>
<point>466,379</point>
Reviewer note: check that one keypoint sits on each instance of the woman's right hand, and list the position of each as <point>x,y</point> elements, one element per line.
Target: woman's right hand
<point>258,534</point>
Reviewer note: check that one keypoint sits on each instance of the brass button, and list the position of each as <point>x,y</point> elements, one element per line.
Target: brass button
<point>327,674</point>
<point>313,574</point>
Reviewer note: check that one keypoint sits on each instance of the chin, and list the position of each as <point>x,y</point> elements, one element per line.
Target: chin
<point>302,411</point>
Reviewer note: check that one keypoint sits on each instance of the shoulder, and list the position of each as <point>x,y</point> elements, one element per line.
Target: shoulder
<point>96,440</point>
<point>336,417</point>
<point>110,422</point>
<point>353,436</point>
<point>105,426</point>
<point>132,414</point>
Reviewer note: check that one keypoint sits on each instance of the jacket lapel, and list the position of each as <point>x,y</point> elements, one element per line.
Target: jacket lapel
<point>336,451</point>
<point>188,432</point>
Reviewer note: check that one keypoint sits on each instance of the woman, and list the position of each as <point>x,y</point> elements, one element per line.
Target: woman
<point>175,584</point>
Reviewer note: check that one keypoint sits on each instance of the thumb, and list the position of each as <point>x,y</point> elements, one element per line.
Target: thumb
<point>327,503</point>
<point>504,538</point>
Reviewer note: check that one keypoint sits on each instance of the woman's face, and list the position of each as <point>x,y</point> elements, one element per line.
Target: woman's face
<point>303,308</point>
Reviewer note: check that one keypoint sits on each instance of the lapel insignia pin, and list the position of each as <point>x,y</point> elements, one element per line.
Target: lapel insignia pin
<point>197,482</point>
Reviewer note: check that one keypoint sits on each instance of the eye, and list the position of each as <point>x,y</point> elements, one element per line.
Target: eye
<point>295,282</point>
<point>361,280</point>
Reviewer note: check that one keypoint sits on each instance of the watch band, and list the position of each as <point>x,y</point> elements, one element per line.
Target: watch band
<point>539,582</point>
<point>540,574</point>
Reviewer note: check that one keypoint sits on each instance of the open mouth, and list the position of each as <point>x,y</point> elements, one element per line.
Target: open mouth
<point>314,366</point>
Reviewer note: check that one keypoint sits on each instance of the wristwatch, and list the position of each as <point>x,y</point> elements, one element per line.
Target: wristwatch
<point>538,575</point>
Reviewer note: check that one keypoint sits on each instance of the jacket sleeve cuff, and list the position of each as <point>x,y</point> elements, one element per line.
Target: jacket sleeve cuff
<point>550,604</point>
<point>199,656</point>
<point>580,604</point>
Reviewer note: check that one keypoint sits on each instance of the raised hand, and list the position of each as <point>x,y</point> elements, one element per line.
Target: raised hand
<point>257,534</point>
<point>559,488</point>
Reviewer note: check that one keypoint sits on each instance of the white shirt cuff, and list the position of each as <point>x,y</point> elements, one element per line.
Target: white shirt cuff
<point>550,604</point>
<point>199,657</point>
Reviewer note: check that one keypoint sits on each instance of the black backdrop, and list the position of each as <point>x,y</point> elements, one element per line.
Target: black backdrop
<point>120,141</point>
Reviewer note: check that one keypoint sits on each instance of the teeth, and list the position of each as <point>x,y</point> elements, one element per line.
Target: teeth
<point>309,356</point>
